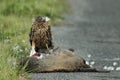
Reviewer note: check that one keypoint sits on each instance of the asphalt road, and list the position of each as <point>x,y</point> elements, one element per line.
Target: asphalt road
<point>92,30</point>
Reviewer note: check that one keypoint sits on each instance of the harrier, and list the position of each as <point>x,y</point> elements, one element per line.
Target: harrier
<point>40,36</point>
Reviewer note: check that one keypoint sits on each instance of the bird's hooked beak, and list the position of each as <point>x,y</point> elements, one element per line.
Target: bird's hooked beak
<point>46,19</point>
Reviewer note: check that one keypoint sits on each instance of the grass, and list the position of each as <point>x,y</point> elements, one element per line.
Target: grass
<point>15,22</point>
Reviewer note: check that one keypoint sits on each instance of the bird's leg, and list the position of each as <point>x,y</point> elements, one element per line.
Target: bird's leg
<point>47,48</point>
<point>33,48</point>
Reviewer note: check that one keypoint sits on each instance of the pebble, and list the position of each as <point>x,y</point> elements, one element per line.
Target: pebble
<point>115,63</point>
<point>118,69</point>
<point>89,55</point>
<point>87,62</point>
<point>92,63</point>
<point>110,68</point>
<point>105,67</point>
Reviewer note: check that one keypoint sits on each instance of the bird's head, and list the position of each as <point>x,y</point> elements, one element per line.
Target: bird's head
<point>42,19</point>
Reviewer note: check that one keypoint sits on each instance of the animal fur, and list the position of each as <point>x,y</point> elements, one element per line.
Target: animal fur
<point>63,60</point>
<point>59,60</point>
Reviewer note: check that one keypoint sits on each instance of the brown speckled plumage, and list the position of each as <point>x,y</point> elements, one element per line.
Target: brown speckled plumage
<point>40,33</point>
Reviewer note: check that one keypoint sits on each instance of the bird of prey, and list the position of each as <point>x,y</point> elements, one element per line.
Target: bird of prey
<point>40,36</point>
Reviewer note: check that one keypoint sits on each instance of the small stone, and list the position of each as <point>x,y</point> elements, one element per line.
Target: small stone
<point>92,63</point>
<point>111,68</point>
<point>118,69</point>
<point>87,62</point>
<point>115,63</point>
<point>89,55</point>
<point>105,67</point>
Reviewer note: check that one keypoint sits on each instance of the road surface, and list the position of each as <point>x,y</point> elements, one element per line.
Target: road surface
<point>92,30</point>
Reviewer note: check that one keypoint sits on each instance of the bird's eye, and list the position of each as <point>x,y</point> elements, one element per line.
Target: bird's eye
<point>38,19</point>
